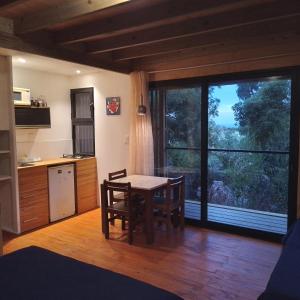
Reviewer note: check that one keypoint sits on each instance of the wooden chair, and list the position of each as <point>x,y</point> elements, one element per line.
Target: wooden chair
<point>115,197</point>
<point>171,205</point>
<point>123,210</point>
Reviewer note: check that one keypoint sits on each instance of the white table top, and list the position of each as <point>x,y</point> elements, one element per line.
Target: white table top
<point>143,182</point>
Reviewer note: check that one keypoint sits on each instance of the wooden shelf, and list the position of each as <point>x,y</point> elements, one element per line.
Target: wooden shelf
<point>4,178</point>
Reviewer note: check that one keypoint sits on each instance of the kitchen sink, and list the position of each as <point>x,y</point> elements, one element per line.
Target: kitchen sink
<point>26,164</point>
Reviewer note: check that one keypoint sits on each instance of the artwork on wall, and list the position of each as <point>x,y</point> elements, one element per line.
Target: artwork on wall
<point>113,106</point>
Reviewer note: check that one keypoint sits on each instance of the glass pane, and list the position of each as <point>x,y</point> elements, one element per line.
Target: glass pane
<point>252,115</point>
<point>84,139</point>
<point>182,134</point>
<point>249,188</point>
<point>187,163</point>
<point>83,106</point>
<point>183,115</point>
<point>249,180</point>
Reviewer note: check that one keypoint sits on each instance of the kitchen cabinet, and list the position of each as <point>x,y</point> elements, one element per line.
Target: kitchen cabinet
<point>34,190</point>
<point>33,197</point>
<point>86,184</point>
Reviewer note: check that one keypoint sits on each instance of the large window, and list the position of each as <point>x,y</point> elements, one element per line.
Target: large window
<point>238,134</point>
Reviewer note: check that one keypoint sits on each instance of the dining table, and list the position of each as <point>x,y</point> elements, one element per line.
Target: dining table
<point>145,186</point>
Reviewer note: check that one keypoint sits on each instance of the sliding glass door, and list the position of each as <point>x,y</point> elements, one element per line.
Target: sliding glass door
<point>248,154</point>
<point>231,140</point>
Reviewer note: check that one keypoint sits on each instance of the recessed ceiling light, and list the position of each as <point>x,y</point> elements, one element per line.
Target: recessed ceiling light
<point>22,60</point>
<point>78,71</point>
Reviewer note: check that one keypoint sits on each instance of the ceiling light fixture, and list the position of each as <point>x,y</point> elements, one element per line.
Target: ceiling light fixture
<point>142,108</point>
<point>78,71</point>
<point>22,60</point>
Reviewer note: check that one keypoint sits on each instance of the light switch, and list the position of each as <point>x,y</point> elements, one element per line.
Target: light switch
<point>126,140</point>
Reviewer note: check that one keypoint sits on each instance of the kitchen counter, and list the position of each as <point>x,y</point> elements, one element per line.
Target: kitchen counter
<point>51,162</point>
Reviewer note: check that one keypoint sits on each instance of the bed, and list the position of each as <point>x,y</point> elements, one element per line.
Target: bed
<point>36,273</point>
<point>285,278</point>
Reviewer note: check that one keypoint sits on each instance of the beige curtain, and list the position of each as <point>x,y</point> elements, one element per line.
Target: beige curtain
<point>141,155</point>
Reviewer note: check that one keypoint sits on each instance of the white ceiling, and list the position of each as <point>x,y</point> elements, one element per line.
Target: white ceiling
<point>41,63</point>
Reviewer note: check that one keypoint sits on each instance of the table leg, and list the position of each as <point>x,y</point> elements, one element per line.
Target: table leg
<point>149,217</point>
<point>102,208</point>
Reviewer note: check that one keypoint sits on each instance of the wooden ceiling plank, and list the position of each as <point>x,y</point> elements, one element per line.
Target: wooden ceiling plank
<point>288,60</point>
<point>61,13</point>
<point>6,25</point>
<point>263,47</point>
<point>192,27</point>
<point>4,4</point>
<point>169,12</point>
<point>206,39</point>
<point>13,42</point>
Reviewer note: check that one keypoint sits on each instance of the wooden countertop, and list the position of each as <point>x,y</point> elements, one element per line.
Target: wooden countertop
<point>51,162</point>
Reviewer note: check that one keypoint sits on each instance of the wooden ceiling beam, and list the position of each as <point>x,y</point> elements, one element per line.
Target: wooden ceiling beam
<point>242,33</point>
<point>63,12</point>
<point>13,42</point>
<point>252,15</point>
<point>164,13</point>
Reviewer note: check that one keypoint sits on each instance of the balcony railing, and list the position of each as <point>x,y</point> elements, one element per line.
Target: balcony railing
<point>242,217</point>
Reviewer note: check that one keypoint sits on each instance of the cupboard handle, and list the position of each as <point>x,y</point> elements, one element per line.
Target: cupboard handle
<point>29,220</point>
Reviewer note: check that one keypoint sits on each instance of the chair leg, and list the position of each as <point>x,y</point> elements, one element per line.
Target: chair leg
<point>112,222</point>
<point>123,223</point>
<point>130,232</point>
<point>169,221</point>
<point>182,217</point>
<point>176,217</point>
<point>106,226</point>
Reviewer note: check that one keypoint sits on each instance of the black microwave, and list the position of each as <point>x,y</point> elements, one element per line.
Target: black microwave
<point>32,117</point>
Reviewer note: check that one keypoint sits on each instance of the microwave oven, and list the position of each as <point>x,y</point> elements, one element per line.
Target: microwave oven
<point>21,96</point>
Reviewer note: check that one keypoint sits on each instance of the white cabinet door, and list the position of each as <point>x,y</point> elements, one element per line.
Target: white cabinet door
<point>61,191</point>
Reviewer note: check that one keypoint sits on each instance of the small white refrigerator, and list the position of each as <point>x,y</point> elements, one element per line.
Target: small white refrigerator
<point>61,191</point>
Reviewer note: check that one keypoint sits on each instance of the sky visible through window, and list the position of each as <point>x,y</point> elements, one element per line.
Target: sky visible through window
<point>228,97</point>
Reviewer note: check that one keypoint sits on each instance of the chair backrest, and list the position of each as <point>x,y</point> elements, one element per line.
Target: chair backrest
<point>117,174</point>
<point>110,187</point>
<point>175,191</point>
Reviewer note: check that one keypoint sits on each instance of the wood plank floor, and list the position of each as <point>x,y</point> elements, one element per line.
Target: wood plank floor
<point>194,263</point>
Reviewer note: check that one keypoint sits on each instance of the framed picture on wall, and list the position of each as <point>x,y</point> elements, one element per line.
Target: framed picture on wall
<point>113,106</point>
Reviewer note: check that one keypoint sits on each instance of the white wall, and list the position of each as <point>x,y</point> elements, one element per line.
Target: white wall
<point>111,132</point>
<point>47,142</point>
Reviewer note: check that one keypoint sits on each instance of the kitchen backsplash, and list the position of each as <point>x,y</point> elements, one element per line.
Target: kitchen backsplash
<point>29,145</point>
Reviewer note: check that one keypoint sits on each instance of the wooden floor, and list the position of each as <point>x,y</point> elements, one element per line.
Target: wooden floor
<point>195,264</point>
